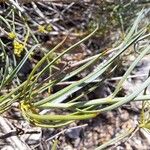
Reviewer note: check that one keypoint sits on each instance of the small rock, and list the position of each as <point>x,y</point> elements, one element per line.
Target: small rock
<point>124,115</point>
<point>68,147</point>
<point>77,142</point>
<point>110,117</point>
<point>73,133</point>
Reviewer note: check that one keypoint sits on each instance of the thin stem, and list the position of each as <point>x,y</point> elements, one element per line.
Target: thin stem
<point>94,102</point>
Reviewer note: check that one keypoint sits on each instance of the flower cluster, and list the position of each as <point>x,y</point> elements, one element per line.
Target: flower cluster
<point>12,35</point>
<point>49,28</point>
<point>44,28</point>
<point>18,48</point>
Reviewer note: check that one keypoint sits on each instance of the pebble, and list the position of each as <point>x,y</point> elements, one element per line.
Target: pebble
<point>124,116</point>
<point>73,133</point>
<point>68,147</point>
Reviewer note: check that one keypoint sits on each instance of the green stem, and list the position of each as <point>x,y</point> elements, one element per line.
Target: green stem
<point>94,102</point>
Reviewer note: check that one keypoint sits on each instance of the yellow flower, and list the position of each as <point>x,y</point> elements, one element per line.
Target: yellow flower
<point>12,35</point>
<point>49,28</point>
<point>42,29</point>
<point>18,48</point>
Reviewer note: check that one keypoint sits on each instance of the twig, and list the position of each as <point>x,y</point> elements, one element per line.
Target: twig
<point>111,79</point>
<point>16,4</point>
<point>17,132</point>
<point>38,11</point>
<point>13,139</point>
